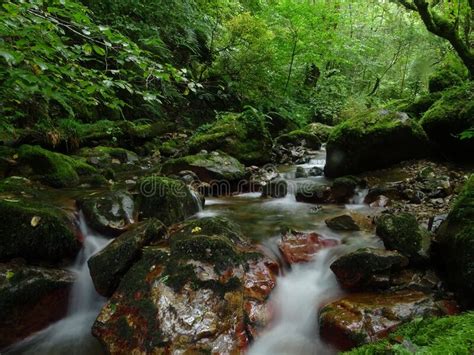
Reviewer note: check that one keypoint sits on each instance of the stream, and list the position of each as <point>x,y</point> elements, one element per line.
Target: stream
<point>299,293</point>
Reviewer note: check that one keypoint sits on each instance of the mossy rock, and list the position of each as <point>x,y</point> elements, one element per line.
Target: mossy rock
<point>321,130</point>
<point>54,169</point>
<point>31,298</point>
<point>243,136</point>
<point>402,232</point>
<point>169,200</point>
<point>454,247</point>
<point>442,79</point>
<point>35,232</point>
<point>106,157</point>
<point>109,265</point>
<point>109,213</point>
<point>300,137</point>
<point>6,159</point>
<point>208,226</point>
<point>208,167</point>
<point>421,104</point>
<point>445,335</point>
<point>373,140</point>
<point>450,116</point>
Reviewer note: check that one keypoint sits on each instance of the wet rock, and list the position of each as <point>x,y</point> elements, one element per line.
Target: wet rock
<point>54,169</point>
<point>109,265</point>
<point>454,244</point>
<point>365,317</point>
<point>402,233</point>
<point>312,192</point>
<point>299,247</point>
<point>343,188</point>
<point>342,223</point>
<point>391,192</point>
<point>31,298</point>
<point>315,171</point>
<point>109,213</point>
<point>35,231</point>
<point>300,173</point>
<point>368,267</point>
<point>169,200</point>
<point>381,201</point>
<point>188,177</point>
<point>366,142</point>
<point>259,177</point>
<point>208,226</point>
<point>197,293</point>
<point>277,188</point>
<point>209,167</point>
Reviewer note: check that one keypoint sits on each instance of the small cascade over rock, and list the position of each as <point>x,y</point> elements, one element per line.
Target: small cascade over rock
<point>72,334</point>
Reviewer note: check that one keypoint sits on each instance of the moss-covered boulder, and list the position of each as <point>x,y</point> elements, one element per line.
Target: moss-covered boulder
<point>454,247</point>
<point>299,137</point>
<point>368,267</point>
<point>169,200</point>
<point>444,335</point>
<point>373,140</point>
<point>209,167</point>
<point>442,79</point>
<point>109,213</point>
<point>35,231</point>
<point>54,169</point>
<point>108,157</point>
<point>450,116</point>
<point>109,265</point>
<point>31,298</point>
<point>402,232</point>
<point>243,136</point>
<point>321,130</point>
<point>420,105</point>
<point>202,270</point>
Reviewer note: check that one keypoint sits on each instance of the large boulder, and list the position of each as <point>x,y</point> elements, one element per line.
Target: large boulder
<point>31,298</point>
<point>209,167</point>
<point>367,267</point>
<point>361,318</point>
<point>35,231</point>
<point>169,200</point>
<point>192,293</point>
<point>401,232</point>
<point>54,169</point>
<point>243,136</point>
<point>454,247</point>
<point>109,265</point>
<point>321,130</point>
<point>450,116</point>
<point>109,213</point>
<point>373,140</point>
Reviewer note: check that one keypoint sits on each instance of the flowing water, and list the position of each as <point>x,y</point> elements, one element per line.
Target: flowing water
<point>299,293</point>
<point>72,334</point>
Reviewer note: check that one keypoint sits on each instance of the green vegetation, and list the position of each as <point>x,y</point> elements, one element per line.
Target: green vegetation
<point>447,335</point>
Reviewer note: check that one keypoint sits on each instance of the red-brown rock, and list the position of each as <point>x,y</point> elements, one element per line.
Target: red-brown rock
<point>299,247</point>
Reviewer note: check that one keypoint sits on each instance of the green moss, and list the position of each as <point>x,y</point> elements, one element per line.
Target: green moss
<point>210,226</point>
<point>243,136</point>
<point>443,79</point>
<point>435,336</point>
<point>54,169</point>
<point>321,130</point>
<point>210,166</point>
<point>421,104</point>
<point>450,116</point>
<point>167,199</point>
<point>367,142</point>
<point>49,239</point>
<point>402,233</point>
<point>299,137</point>
<point>455,243</point>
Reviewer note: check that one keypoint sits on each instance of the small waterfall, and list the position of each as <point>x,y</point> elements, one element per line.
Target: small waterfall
<point>72,334</point>
<point>197,199</point>
<point>296,300</point>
